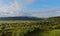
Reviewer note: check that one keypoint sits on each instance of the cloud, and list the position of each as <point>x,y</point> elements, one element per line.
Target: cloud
<point>46,13</point>
<point>36,15</point>
<point>14,9</point>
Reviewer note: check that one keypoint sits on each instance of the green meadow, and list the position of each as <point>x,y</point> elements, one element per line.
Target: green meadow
<point>47,33</point>
<point>29,28</point>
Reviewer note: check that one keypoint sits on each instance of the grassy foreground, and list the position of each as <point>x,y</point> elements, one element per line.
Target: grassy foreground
<point>46,33</point>
<point>28,28</point>
<point>51,33</point>
<point>17,27</point>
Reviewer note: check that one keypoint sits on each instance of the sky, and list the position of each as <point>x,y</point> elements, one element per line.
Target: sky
<point>34,8</point>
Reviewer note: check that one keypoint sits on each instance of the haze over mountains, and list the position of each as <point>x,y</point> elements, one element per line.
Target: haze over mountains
<point>20,18</point>
<point>27,18</point>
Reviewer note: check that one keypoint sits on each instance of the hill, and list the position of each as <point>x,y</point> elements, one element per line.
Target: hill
<point>57,19</point>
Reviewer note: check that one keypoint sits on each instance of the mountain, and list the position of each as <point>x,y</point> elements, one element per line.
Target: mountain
<point>20,18</point>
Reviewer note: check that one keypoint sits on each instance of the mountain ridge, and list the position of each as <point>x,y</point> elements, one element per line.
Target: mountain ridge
<point>20,18</point>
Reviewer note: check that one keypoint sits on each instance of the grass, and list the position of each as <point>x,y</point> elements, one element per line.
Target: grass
<point>18,27</point>
<point>21,27</point>
<point>55,32</point>
<point>16,21</point>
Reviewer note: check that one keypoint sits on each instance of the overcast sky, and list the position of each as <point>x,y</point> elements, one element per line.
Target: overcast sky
<point>36,8</point>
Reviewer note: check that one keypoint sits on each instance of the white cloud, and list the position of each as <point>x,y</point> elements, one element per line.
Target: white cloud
<point>46,13</point>
<point>36,15</point>
<point>14,9</point>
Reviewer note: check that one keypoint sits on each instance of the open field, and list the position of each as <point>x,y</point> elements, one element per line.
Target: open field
<point>28,28</point>
<point>48,33</point>
<point>16,27</point>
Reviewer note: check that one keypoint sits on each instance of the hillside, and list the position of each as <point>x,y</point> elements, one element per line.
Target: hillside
<point>54,18</point>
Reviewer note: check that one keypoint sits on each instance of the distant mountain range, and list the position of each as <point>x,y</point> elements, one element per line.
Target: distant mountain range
<point>28,18</point>
<point>20,18</point>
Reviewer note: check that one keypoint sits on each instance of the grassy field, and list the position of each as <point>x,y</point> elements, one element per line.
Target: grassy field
<point>26,28</point>
<point>52,33</point>
<point>46,33</point>
<point>16,27</point>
